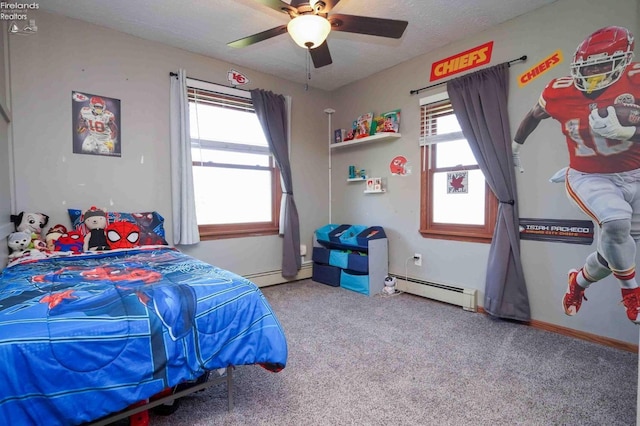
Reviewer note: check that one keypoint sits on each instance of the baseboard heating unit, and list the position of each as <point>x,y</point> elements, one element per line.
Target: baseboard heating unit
<point>466,298</point>
<point>264,279</point>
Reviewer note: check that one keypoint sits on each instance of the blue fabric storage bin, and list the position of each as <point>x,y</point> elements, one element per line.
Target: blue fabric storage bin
<point>322,234</point>
<point>368,234</point>
<point>320,255</point>
<point>357,262</point>
<point>354,282</point>
<point>349,236</point>
<point>326,274</point>
<point>348,260</point>
<point>336,234</point>
<point>339,258</point>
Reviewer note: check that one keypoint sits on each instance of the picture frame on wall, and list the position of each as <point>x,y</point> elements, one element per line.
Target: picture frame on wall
<point>370,184</point>
<point>96,124</point>
<point>377,184</point>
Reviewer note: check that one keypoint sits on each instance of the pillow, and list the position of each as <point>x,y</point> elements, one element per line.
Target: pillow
<point>151,224</point>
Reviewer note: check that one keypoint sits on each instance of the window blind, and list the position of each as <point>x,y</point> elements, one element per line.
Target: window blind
<point>221,100</point>
<point>429,115</point>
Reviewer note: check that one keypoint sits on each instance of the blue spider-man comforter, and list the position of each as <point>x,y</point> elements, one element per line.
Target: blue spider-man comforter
<point>87,335</point>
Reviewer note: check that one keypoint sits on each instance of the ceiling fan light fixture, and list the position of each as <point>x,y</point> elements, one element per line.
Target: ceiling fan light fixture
<point>309,31</point>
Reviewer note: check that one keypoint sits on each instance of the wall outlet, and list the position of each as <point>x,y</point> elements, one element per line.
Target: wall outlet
<point>417,259</point>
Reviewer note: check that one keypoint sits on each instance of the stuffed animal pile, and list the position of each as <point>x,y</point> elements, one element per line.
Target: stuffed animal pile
<point>96,234</point>
<point>28,233</point>
<point>33,223</point>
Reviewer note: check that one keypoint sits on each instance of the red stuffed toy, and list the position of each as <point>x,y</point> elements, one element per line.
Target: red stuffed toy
<point>122,235</point>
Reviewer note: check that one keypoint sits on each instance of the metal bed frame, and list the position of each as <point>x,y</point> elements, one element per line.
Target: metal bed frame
<point>228,378</point>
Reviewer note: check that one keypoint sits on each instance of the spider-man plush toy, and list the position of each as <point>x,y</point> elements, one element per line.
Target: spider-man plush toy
<point>122,234</point>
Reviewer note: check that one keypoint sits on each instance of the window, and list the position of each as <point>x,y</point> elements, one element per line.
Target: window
<point>236,182</point>
<point>456,203</point>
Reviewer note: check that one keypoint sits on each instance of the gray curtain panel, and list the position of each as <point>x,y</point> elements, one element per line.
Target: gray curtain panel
<point>272,112</point>
<point>479,101</point>
<point>183,199</point>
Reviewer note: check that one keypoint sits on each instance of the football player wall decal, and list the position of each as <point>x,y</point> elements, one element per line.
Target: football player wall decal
<point>596,108</point>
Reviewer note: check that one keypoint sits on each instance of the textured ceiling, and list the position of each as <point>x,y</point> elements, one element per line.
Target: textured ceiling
<point>206,26</point>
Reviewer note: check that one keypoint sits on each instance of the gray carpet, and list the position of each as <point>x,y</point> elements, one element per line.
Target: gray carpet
<point>406,360</point>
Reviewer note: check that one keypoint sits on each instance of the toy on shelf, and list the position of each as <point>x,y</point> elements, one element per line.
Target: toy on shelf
<point>363,125</point>
<point>374,185</point>
<point>390,122</point>
<point>356,174</point>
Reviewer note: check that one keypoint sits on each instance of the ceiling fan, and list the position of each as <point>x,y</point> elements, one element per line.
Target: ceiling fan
<point>311,23</point>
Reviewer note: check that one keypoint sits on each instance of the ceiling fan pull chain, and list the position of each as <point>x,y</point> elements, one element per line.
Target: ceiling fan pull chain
<point>308,69</point>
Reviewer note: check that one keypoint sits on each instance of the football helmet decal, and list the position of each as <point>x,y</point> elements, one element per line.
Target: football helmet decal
<point>601,58</point>
<point>97,105</point>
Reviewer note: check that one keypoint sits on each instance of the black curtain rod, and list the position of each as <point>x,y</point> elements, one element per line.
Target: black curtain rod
<point>173,74</point>
<point>416,91</point>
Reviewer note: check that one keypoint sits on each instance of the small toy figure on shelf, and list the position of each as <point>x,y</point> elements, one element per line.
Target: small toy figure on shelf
<point>350,135</point>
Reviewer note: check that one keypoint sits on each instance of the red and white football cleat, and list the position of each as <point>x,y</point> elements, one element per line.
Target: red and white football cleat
<point>572,299</point>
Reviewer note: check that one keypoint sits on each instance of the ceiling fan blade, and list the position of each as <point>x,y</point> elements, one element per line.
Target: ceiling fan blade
<point>278,5</point>
<point>320,55</point>
<point>247,41</point>
<point>371,26</point>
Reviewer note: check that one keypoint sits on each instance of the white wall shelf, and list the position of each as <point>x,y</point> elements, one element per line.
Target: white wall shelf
<point>378,137</point>
<point>375,192</point>
<point>360,179</point>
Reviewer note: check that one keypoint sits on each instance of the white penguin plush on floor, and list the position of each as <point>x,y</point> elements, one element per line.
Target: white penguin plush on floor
<point>389,285</point>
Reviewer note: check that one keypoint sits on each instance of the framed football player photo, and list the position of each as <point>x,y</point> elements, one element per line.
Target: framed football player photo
<point>96,124</point>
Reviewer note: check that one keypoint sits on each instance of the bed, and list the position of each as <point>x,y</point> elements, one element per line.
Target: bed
<point>87,335</point>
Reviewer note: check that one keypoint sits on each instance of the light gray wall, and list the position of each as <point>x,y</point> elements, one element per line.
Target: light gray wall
<point>67,55</point>
<point>561,25</point>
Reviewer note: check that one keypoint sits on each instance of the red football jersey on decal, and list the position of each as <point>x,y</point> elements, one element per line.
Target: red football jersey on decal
<point>589,152</point>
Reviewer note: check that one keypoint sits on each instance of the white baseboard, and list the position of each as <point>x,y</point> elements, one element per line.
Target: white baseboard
<point>264,279</point>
